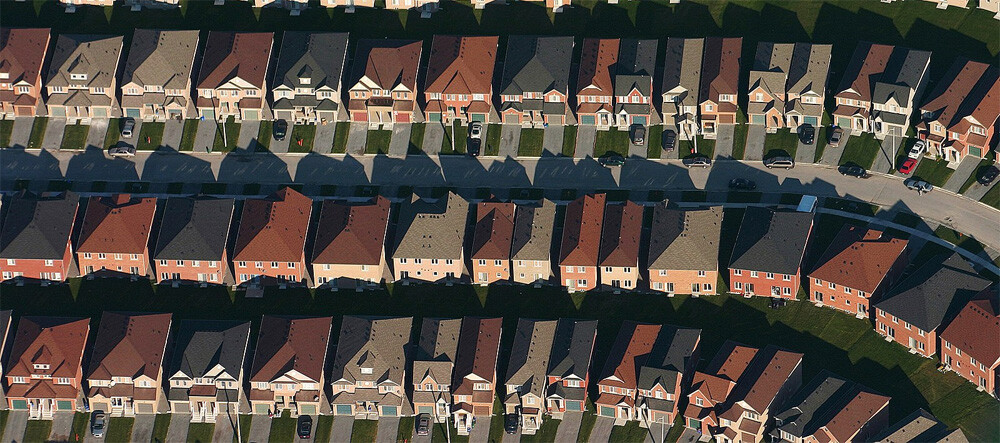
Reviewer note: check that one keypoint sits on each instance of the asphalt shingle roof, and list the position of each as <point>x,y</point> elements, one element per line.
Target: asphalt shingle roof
<point>194,228</point>
<point>317,56</point>
<point>162,58</point>
<point>573,348</point>
<point>432,230</point>
<point>529,355</point>
<point>38,227</point>
<point>685,239</point>
<point>201,345</point>
<point>536,64</point>
<point>771,241</point>
<point>533,231</point>
<point>669,357</point>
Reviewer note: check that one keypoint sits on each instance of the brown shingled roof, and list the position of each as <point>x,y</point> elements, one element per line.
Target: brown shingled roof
<point>720,72</point>
<point>291,344</point>
<point>629,353</point>
<point>129,345</point>
<point>228,55</point>
<point>970,89</point>
<point>117,224</point>
<point>597,59</point>
<point>273,228</point>
<point>581,240</point>
<point>461,64</point>
<point>620,239</point>
<point>865,68</point>
<point>976,328</point>
<point>388,62</point>
<point>56,341</point>
<point>478,349</point>
<point>859,258</point>
<point>494,231</point>
<point>22,52</point>
<point>351,233</point>
<point>855,414</point>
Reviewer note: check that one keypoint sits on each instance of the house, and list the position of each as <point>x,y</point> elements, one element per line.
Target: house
<point>832,409</point>
<point>289,365</point>
<point>966,344</point>
<point>295,6</point>
<point>383,84</point>
<point>767,256</point>
<point>534,89</point>
<point>960,117</point>
<point>859,266</point>
<point>232,80</point>
<point>526,385</point>
<point>579,250</point>
<point>206,370</point>
<point>595,83</point>
<point>126,365</point>
<point>921,426</point>
<point>425,7</point>
<point>681,80</point>
<point>115,235</point>
<point>666,374</point>
<point>156,80</point>
<point>944,4</point>
<point>475,374</point>
<point>710,389</point>
<point>491,241</point>
<point>854,99</point>
<point>788,85</point>
<point>556,6</point>
<point>72,5</point>
<point>370,367</point>
<point>619,379</point>
<point>916,310</point>
<point>191,244</point>
<point>619,257</point>
<point>634,83</point>
<point>82,78</point>
<point>45,367</point>
<point>270,244</point>
<point>349,5</point>
<point>895,94</point>
<point>531,248</point>
<point>22,52</point>
<point>683,252</point>
<point>459,81</point>
<point>429,240</point>
<point>35,237</point>
<point>434,365</point>
<point>306,86</point>
<point>720,78</point>
<point>568,373</point>
<point>349,248</point>
<point>5,320</point>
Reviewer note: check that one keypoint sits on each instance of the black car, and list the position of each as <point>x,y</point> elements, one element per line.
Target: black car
<point>611,158</point>
<point>742,184</point>
<point>637,133</point>
<point>987,175</point>
<point>423,424</point>
<point>511,422</point>
<point>854,171</point>
<point>669,140</point>
<point>697,162</point>
<point>475,144</point>
<point>305,426</point>
<point>807,133</point>
<point>280,130</point>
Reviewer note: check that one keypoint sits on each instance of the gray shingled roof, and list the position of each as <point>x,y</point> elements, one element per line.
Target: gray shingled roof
<point>201,345</point>
<point>771,241</point>
<point>683,66</point>
<point>94,55</point>
<point>573,348</point>
<point>903,72</point>
<point>194,228</point>
<point>635,66</point>
<point>432,230</point>
<point>668,357</point>
<point>771,64</point>
<point>810,68</point>
<point>38,227</point>
<point>802,418</point>
<point>529,355</point>
<point>533,231</point>
<point>313,55</point>
<point>436,349</point>
<point>379,343</point>
<point>920,426</point>
<point>685,239</point>
<point>536,64</point>
<point>934,292</point>
<point>161,58</point>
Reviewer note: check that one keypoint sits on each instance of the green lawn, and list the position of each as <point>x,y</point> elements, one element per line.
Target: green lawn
<point>246,420</point>
<point>545,434</point>
<point>81,428</point>
<point>958,239</point>
<point>935,172</point>
<point>232,129</point>
<point>160,428</point>
<point>972,177</point>
<point>860,150</point>
<point>340,137</point>
<point>323,428</point>
<point>740,141</point>
<point>992,197</point>
<point>6,128</point>
<point>611,140</point>
<point>438,434</point>
<point>378,142</point>
<point>75,137</point>
<point>496,422</point>
<point>113,134</point>
<point>416,139</point>
<point>264,135</point>
<point>587,423</point>
<point>37,431</point>
<point>405,430</point>
<point>188,135</point>
<point>820,144</point>
<point>531,144</point>
<point>301,138</point>
<point>706,147</point>
<point>119,429</point>
<point>461,137</point>
<point>630,432</point>
<point>200,432</point>
<point>37,132</point>
<point>569,141</point>
<point>3,419</point>
<point>654,143</point>
<point>282,428</point>
<point>364,431</point>
<point>153,131</point>
<point>491,146</point>
<point>781,143</point>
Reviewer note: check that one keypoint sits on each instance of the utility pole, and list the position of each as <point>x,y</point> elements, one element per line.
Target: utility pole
<point>447,410</point>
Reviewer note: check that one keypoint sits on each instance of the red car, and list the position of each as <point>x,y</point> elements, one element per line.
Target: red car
<point>908,166</point>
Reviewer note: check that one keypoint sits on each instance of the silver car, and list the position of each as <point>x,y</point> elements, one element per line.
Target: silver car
<point>127,126</point>
<point>97,423</point>
<point>917,185</point>
<point>122,149</point>
<point>780,162</point>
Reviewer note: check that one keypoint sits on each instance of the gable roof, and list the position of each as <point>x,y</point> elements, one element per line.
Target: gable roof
<point>229,55</point>
<point>921,426</point>
<point>629,353</point>
<point>273,228</point>
<point>478,349</point>
<point>581,239</point>
<point>378,343</point>
<point>22,52</point>
<point>810,68</point>
<point>118,223</point>
<point>532,236</point>
<point>351,233</point>
<point>720,72</point>
<point>288,343</point>
<point>597,61</point>
<point>903,72</point>
<point>976,326</point>
<point>682,69</point>
<point>771,64</point>
<point>685,239</point>
<point>317,56</point>
<point>56,341</point>
<point>387,63</point>
<point>436,349</point>
<point>95,56</point>
<point>194,228</point>
<point>865,69</point>
<point>761,381</point>
<point>934,292</point>
<point>859,258</point>
<point>203,345</point>
<point>129,345</point>
<point>620,236</point>
<point>493,231</point>
<point>461,64</point>
<point>969,89</point>
<point>830,402</point>
<point>38,227</point>
<point>432,229</point>
<point>572,348</point>
<point>635,66</point>
<point>771,241</point>
<point>536,64</point>
<point>669,357</point>
<point>529,355</point>
<point>163,58</point>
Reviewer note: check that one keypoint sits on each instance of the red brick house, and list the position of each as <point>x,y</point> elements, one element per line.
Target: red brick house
<point>767,257</point>
<point>720,81</point>
<point>349,249</point>
<point>35,239</point>
<point>191,244</point>
<point>45,367</point>
<point>854,99</point>
<point>475,374</point>
<point>666,375</point>
<point>831,409</point>
<point>492,242</point>
<point>857,268</point>
<point>115,235</point>
<point>960,117</point>
<point>711,388</point>
<point>969,346</point>
<point>619,258</point>
<point>595,85</point>
<point>383,86</point>
<point>271,241</point>
<point>459,83</point>
<point>581,242</point>
<point>22,52</point>
<point>618,384</point>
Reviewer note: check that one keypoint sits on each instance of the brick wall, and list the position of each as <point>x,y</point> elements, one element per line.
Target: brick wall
<point>573,273</point>
<point>740,279</point>
<point>683,281</point>
<point>902,333</point>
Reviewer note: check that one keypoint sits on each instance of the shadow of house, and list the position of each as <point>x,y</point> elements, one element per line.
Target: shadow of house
<point>21,163</point>
<point>316,168</point>
<point>93,164</point>
<point>168,165</point>
<point>267,167</point>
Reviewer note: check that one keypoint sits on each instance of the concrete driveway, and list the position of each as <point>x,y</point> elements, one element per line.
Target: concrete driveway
<point>755,143</point>
<point>17,422</point>
<point>173,131</point>
<point>964,170</point>
<point>552,140</point>
<point>977,191</point>
<point>885,158</point>
<point>281,146</point>
<point>323,143</point>
<point>178,430</point>
<point>54,133</point>
<point>205,137</point>
<point>569,429</point>
<point>724,141</point>
<point>388,427</point>
<point>399,144</point>
<point>260,428</point>
<point>831,155</point>
<point>586,136</point>
<point>433,137</point>
<point>225,428</point>
<point>481,432</point>
<point>357,138</point>
<point>142,428</point>
<point>21,132</point>
<point>805,153</point>
<point>98,131</point>
<point>315,419</point>
<point>62,426</point>
<point>602,430</point>
<point>510,139</point>
<point>343,427</point>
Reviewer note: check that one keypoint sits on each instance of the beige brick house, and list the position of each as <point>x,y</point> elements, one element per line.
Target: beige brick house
<point>82,78</point>
<point>232,80</point>
<point>433,366</point>
<point>349,249</point>
<point>619,258</point>
<point>429,240</point>
<point>370,367</point>
<point>289,364</point>
<point>683,250</point>
<point>126,367</point>
<point>531,249</point>
<point>156,80</point>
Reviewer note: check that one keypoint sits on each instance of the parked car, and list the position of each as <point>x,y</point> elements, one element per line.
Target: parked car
<point>669,140</point>
<point>511,422</point>
<point>987,175</point>
<point>908,166</point>
<point>697,162</point>
<point>836,134</point>
<point>853,171</point>
<point>917,185</point>
<point>742,184</point>
<point>807,133</point>
<point>128,124</point>
<point>611,158</point>
<point>476,130</point>
<point>304,427</point>
<point>637,133</point>
<point>917,150</point>
<point>280,130</point>
<point>423,424</point>
<point>780,162</point>
<point>474,146</point>
<point>98,421</point>
<point>122,149</point>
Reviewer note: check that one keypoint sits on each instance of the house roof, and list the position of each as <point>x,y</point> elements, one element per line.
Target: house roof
<point>38,227</point>
<point>920,425</point>
<point>436,349</point>
<point>432,229</point>
<point>56,341</point>
<point>976,326</point>
<point>315,56</point>
<point>351,233</point>
<point>720,72</point>
<point>273,228</point>
<point>573,348</point>
<point>129,345</point>
<point>387,63</point>
<point>209,346</point>
<point>810,69</point>
<point>830,402</point>
<point>859,258</point>
<point>771,65</point>
<point>161,58</point>
<point>635,66</point>
<point>377,343</point>
<point>969,90</point>
<point>194,228</point>
<point>669,357</point>
<point>536,64</point>
<point>903,72</point>
<point>532,236</point>
<point>864,70</point>
<point>478,349</point>
<point>295,345</point>
<point>598,58</point>
<point>581,239</point>
<point>760,383</point>
<point>682,71</point>
<point>461,64</point>
<point>231,55</point>
<point>95,56</point>
<point>685,239</point>
<point>529,355</point>
<point>22,52</point>
<point>934,292</point>
<point>119,223</point>
<point>493,231</point>
<point>629,353</point>
<point>620,236</point>
<point>771,241</point>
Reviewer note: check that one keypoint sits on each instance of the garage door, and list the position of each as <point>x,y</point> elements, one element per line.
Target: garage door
<point>434,117</point>
<point>479,117</point>
<point>19,404</point>
<point>132,112</point>
<point>308,410</point>
<point>757,119</point>
<point>573,406</point>
<point>252,114</point>
<point>144,408</point>
<point>811,120</point>
<point>389,411</point>
<point>587,119</point>
<point>209,114</point>
<point>360,116</point>
<point>344,409</point>
<point>403,117</point>
<point>64,405</point>
<point>510,118</point>
<point>639,120</point>
<point>181,408</point>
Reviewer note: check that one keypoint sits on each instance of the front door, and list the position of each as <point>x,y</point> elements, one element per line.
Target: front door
<point>749,288</point>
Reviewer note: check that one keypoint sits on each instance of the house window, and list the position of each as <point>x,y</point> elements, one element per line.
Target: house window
<point>847,290</point>
<point>769,275</point>
<point>698,401</point>
<point>101,256</point>
<point>242,264</point>
<point>753,274</point>
<point>702,273</point>
<point>786,277</point>
<point>48,262</point>
<point>274,265</point>
<point>737,272</point>
<point>833,285</point>
<point>663,272</point>
<point>738,286</point>
<point>180,263</point>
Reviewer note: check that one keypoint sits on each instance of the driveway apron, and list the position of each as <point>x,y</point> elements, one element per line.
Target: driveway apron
<point>95,137</point>
<point>965,169</point>
<point>552,140</point>
<point>21,132</point>
<point>510,138</point>
<point>54,134</point>
<point>357,138</point>
<point>433,137</point>
<point>323,143</point>
<point>724,142</point>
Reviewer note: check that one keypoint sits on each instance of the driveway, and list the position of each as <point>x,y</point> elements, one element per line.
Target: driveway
<point>356,138</point>
<point>248,137</point>
<point>17,422</point>
<point>315,421</point>
<point>755,143</point>
<point>142,428</point>
<point>225,428</point>
<point>62,426</point>
<point>586,136</point>
<point>831,155</point>
<point>173,131</point>
<point>569,429</point>
<point>724,141</point>
<point>433,137</point>
<point>323,143</point>
<point>21,132</point>
<point>805,153</point>
<point>54,133</point>
<point>977,191</point>
<point>639,151</point>
<point>887,151</point>
<point>260,428</point>
<point>689,436</point>
<point>205,137</point>
<point>399,144</point>
<point>98,130</point>
<point>602,430</point>
<point>178,430</point>
<point>343,427</point>
<point>481,432</point>
<point>388,427</point>
<point>552,140</point>
<point>281,146</point>
<point>965,169</point>
<point>510,139</point>
<point>654,433</point>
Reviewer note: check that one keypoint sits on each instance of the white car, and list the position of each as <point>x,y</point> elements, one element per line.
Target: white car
<point>476,130</point>
<point>917,150</point>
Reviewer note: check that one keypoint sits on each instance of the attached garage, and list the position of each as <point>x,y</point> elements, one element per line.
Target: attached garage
<point>181,408</point>
<point>359,116</point>
<point>251,114</point>
<point>307,410</point>
<point>403,117</point>
<point>639,120</point>
<point>587,120</point>
<point>434,116</point>
<point>390,411</point>
<point>607,411</point>
<point>574,406</point>
<point>64,405</point>
<point>811,120</point>
<point>425,410</point>
<point>144,408</point>
<point>344,409</point>
<point>757,119</point>
<point>555,119</point>
<point>19,404</point>
<point>510,118</point>
<point>479,117</point>
<point>260,409</point>
<point>208,114</point>
<point>132,112</point>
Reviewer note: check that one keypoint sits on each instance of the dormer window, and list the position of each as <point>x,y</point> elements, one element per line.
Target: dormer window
<point>305,80</point>
<point>366,371</point>
<point>78,77</point>
<point>4,75</point>
<point>41,366</point>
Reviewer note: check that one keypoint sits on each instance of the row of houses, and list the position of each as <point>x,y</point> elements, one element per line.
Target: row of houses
<point>144,364</point>
<point>308,80</point>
